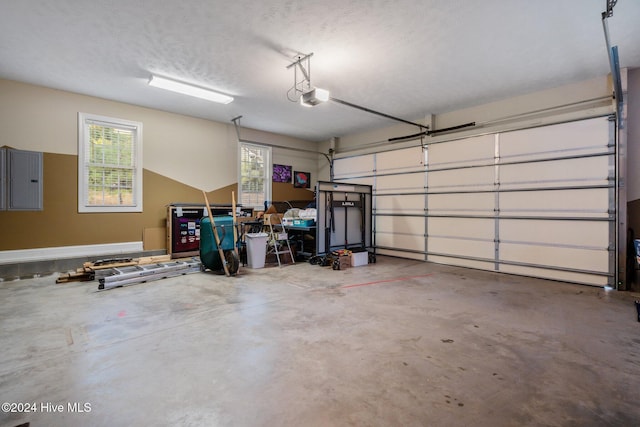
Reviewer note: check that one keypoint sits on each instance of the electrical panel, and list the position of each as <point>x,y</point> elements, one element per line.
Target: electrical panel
<point>3,179</point>
<point>21,175</point>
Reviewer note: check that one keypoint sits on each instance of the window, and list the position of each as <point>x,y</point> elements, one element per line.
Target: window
<point>255,175</point>
<point>109,164</point>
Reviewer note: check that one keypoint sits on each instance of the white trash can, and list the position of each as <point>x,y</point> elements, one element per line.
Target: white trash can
<point>256,249</point>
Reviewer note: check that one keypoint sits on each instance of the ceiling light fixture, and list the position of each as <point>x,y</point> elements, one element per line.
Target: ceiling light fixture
<point>188,89</point>
<point>314,97</point>
<point>302,89</point>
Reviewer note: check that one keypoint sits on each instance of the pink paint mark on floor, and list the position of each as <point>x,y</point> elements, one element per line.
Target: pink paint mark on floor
<point>399,279</point>
<point>122,313</point>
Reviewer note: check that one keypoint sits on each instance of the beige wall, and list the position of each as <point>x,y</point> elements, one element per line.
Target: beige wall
<point>549,103</point>
<point>181,156</point>
<point>186,149</point>
<point>553,105</point>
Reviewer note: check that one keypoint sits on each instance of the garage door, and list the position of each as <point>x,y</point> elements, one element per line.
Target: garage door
<point>538,202</point>
<point>399,181</point>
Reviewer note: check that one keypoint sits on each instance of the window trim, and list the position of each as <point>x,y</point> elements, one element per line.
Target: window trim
<point>268,171</point>
<point>84,120</point>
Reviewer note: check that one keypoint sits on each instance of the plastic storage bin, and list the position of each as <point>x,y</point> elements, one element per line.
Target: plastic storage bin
<point>359,258</point>
<point>256,249</point>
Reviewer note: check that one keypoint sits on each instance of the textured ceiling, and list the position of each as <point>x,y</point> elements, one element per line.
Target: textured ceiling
<point>406,58</point>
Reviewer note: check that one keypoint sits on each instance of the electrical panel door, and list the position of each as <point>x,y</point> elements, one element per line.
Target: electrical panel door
<point>3,179</point>
<point>24,173</point>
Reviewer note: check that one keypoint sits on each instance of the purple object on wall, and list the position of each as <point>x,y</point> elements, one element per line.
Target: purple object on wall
<point>281,173</point>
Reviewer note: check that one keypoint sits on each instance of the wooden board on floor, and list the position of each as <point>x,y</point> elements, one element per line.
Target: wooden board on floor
<point>134,261</point>
<point>87,272</point>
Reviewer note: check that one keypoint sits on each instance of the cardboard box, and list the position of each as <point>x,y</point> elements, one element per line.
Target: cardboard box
<point>272,218</point>
<point>359,258</point>
<point>271,259</point>
<point>345,261</point>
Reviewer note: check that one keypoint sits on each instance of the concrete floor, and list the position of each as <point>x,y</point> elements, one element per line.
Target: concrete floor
<point>397,343</point>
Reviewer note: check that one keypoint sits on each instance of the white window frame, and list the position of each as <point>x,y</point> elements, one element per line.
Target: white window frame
<point>268,172</point>
<point>84,120</point>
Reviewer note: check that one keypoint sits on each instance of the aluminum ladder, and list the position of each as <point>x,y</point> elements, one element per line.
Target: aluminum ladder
<point>278,240</point>
<point>129,275</point>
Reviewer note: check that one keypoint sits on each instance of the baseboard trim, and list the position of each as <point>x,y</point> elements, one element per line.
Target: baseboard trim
<point>43,254</point>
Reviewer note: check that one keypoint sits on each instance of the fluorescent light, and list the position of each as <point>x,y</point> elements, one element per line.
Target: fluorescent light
<point>187,89</point>
<point>314,97</point>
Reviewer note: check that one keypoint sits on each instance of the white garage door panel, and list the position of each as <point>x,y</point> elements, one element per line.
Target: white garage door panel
<point>590,202</point>
<point>462,179</point>
<point>589,234</point>
<point>579,259</point>
<point>363,181</point>
<point>471,228</point>
<point>576,244</point>
<point>476,150</point>
<point>566,276</point>
<point>475,203</point>
<point>400,241</point>
<point>410,159</point>
<point>400,254</point>
<point>480,265</point>
<point>411,182</point>
<point>353,166</point>
<point>583,137</point>
<point>588,171</point>
<point>400,224</point>
<point>552,179</point>
<point>400,204</point>
<point>462,247</point>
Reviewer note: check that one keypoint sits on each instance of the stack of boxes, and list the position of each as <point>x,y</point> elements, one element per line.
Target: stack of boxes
<point>346,258</point>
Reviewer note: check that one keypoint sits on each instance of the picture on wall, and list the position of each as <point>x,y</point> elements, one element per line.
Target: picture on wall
<point>301,179</point>
<point>281,173</point>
